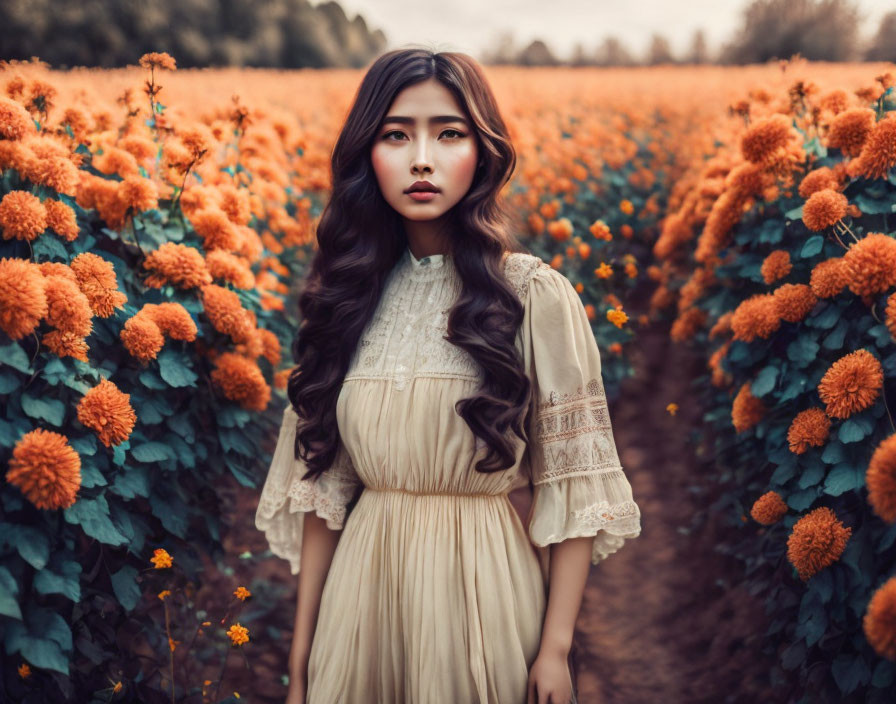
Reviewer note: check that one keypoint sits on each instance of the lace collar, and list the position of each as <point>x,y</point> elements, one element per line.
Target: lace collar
<point>430,268</point>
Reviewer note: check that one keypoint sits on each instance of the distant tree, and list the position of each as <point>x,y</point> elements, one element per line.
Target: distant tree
<point>580,56</point>
<point>820,30</point>
<point>659,52</point>
<point>883,46</point>
<point>612,52</point>
<point>698,53</point>
<point>537,54</point>
<point>501,51</point>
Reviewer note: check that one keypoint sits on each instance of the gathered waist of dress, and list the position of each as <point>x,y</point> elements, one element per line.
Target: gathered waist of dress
<point>462,494</point>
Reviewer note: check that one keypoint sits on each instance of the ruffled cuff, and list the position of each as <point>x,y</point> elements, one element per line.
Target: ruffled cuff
<point>598,504</point>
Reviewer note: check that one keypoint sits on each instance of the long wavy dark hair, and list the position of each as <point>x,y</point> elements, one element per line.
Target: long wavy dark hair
<point>360,239</point>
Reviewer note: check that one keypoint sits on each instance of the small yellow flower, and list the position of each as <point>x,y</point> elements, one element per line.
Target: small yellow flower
<point>161,559</point>
<point>206,623</point>
<point>627,207</point>
<point>238,634</point>
<point>164,594</point>
<point>236,694</point>
<point>617,316</point>
<point>604,271</point>
<point>241,593</point>
<point>24,670</point>
<point>672,407</point>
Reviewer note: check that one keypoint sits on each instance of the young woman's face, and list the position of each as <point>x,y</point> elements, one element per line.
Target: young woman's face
<point>425,136</point>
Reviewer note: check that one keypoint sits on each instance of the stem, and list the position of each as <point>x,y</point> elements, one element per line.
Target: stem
<point>221,675</point>
<point>874,312</point>
<point>837,237</point>
<point>886,405</point>
<point>170,649</point>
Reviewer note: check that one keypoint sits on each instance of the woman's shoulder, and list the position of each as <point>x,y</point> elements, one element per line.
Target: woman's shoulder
<point>520,268</point>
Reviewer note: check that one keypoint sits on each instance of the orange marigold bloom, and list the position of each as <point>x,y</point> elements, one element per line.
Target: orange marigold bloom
<point>97,281</point>
<point>139,147</point>
<point>722,325</point>
<point>62,220</point>
<point>824,208</point>
<point>769,508</point>
<point>176,156</point>
<point>238,634</point>
<point>22,216</point>
<point>177,264</point>
<point>138,193</point>
<point>56,172</point>
<point>879,622</point>
<point>226,313</point>
<point>687,324</point>
<point>890,315</point>
<point>878,155</point>
<point>160,60</point>
<point>24,670</point>
<point>765,137</point>
<point>173,320</point>
<point>748,178</point>
<point>23,299</point>
<point>817,541</point>
<point>15,121</point>
<point>626,206</point>
<point>270,345</point>
<point>561,230</point>
<point>199,141</point>
<point>231,268</point>
<point>242,593</point>
<point>107,410</point>
<point>850,129</point>
<point>851,384</point>
<point>142,337</point>
<point>776,266</point>
<point>880,478</point>
<point>63,343</point>
<point>46,469</point>
<point>281,377</point>
<point>809,428</point>
<point>67,308</point>
<point>164,594</point>
<point>57,269</point>
<point>115,161</point>
<point>794,301</point>
<point>617,316</point>
<point>756,316</point>
<point>215,229</point>
<point>746,409</point>
<point>241,381</point>
<point>235,203</point>
<point>600,230</point>
<point>818,180</point>
<point>829,278</point>
<point>161,559</point>
<point>870,264</point>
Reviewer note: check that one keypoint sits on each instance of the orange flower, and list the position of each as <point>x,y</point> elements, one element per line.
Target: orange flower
<point>139,147</point>
<point>794,301</point>
<point>161,559</point>
<point>107,410</point>
<point>64,343</point>
<point>850,129</point>
<point>138,193</point>
<point>23,299</point>
<point>15,121</point>
<point>238,634</point>
<point>142,337</point>
<point>756,316</point>
<point>818,180</point>
<point>809,428</point>
<point>600,230</point>
<point>242,593</point>
<point>281,377</point>
<point>829,278</point>
<point>176,156</point>
<point>270,346</point>
<point>67,308</point>
<point>235,203</point>
<point>746,409</point>
<point>626,206</point>
<point>199,141</point>
<point>561,230</point>
<point>225,312</point>
<point>879,622</point>
<point>890,315</point>
<point>687,324</point>
<point>604,271</point>
<point>22,216</point>
<point>24,670</point>
<point>164,594</point>
<point>241,381</point>
<point>672,408</point>
<point>116,162</point>
<point>870,264</point>
<point>97,281</point>
<point>817,541</point>
<point>177,264</point>
<point>231,268</point>
<point>824,208</point>
<point>879,153</point>
<point>776,266</point>
<point>769,508</point>
<point>851,384</point>
<point>173,320</point>
<point>46,469</point>
<point>763,139</point>
<point>617,316</point>
<point>61,219</point>
<point>880,478</point>
<point>215,229</point>
<point>160,60</point>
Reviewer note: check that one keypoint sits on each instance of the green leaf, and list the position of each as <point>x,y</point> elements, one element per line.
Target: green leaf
<point>843,478</point>
<point>41,408</point>
<point>834,453</point>
<point>40,652</point>
<point>802,351</point>
<point>63,577</point>
<point>151,452</point>
<point>812,246</point>
<point>834,340</point>
<point>9,382</point>
<point>33,545</point>
<point>765,381</point>
<point>174,369</point>
<point>850,671</point>
<point>91,476</point>
<point>124,584</point>
<point>171,511</point>
<point>93,517</point>
<point>871,206</point>
<point>48,247</point>
<point>151,380</point>
<point>794,214</point>
<point>132,483</point>
<point>811,476</point>
<point>14,356</point>
<point>853,430</point>
<point>801,500</point>
<point>9,606</point>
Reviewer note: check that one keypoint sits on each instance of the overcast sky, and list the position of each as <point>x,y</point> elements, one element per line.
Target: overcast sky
<point>471,25</point>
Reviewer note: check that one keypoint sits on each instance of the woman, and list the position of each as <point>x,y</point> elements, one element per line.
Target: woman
<point>440,368</point>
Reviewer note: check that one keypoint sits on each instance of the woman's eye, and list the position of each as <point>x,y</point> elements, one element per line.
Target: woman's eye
<point>458,134</point>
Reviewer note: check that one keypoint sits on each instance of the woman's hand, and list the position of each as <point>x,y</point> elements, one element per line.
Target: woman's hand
<point>549,680</point>
<point>296,693</point>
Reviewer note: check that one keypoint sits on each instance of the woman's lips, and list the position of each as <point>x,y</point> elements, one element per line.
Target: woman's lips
<point>423,196</point>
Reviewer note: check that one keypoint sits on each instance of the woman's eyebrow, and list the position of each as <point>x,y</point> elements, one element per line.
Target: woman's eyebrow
<point>436,119</point>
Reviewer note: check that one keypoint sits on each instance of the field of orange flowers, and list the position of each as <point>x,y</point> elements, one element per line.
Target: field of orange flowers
<point>155,223</point>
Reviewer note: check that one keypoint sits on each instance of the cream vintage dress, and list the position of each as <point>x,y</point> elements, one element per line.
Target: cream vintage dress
<point>437,591</point>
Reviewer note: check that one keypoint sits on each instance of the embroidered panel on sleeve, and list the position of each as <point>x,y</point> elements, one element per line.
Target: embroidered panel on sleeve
<point>519,268</point>
<point>575,433</point>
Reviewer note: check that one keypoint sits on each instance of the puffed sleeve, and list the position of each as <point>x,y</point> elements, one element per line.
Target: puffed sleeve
<point>579,486</point>
<point>285,496</point>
